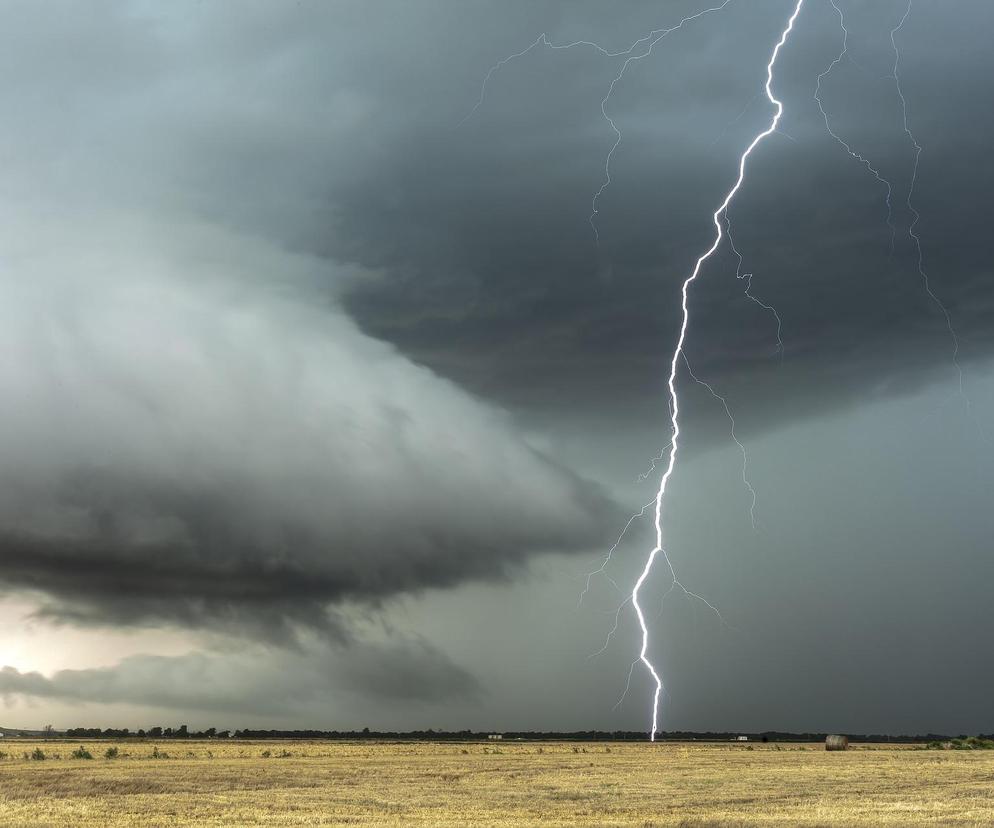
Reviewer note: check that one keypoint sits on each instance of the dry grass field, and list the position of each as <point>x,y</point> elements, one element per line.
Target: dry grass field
<point>321,783</point>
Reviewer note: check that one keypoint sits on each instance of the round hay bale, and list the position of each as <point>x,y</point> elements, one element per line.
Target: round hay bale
<point>835,742</point>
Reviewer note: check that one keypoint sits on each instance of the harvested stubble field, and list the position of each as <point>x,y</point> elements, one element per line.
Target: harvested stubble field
<point>332,783</point>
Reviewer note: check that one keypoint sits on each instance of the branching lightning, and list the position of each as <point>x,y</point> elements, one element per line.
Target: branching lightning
<point>678,353</point>
<point>652,39</point>
<point>909,201</point>
<point>742,448</point>
<point>643,476</point>
<point>749,295</point>
<point>602,569</point>
<point>639,50</point>
<point>843,54</point>
<point>916,216</point>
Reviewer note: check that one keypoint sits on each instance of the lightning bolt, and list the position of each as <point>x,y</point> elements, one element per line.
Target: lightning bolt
<point>639,50</point>
<point>659,549</point>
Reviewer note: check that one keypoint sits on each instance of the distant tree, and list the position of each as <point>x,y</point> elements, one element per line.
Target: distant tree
<point>155,733</point>
<point>181,732</point>
<point>49,731</point>
<point>211,732</point>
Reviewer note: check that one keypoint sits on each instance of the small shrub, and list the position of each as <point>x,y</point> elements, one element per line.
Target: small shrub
<point>284,754</point>
<point>37,755</point>
<point>464,751</point>
<point>2,755</point>
<point>111,753</point>
<point>158,754</point>
<point>81,753</point>
<point>977,743</point>
<point>265,754</point>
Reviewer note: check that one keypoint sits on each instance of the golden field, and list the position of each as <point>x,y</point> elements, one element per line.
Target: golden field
<point>504,783</point>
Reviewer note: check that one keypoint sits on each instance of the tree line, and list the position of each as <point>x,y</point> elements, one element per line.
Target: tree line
<point>183,732</point>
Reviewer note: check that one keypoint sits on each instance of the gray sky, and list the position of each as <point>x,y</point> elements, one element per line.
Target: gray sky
<point>322,398</point>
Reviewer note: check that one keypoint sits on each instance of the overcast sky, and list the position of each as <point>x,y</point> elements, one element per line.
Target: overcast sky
<point>323,394</point>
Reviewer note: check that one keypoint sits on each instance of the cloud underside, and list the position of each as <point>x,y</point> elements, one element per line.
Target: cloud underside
<point>319,679</point>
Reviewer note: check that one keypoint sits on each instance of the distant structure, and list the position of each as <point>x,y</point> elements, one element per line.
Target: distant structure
<point>741,738</point>
<point>834,742</point>
<point>495,736</point>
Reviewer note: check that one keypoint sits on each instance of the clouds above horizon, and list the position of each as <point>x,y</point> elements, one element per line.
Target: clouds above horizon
<point>278,683</point>
<point>286,343</point>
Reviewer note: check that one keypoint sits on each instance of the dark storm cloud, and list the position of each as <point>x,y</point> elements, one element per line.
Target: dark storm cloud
<point>272,682</point>
<point>489,271</point>
<point>334,130</point>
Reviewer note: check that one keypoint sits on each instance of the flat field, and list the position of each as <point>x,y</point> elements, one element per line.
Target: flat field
<point>505,783</point>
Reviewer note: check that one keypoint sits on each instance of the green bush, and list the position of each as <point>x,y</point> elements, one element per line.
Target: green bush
<point>976,743</point>
<point>962,743</point>
<point>81,753</point>
<point>38,755</point>
<point>111,753</point>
